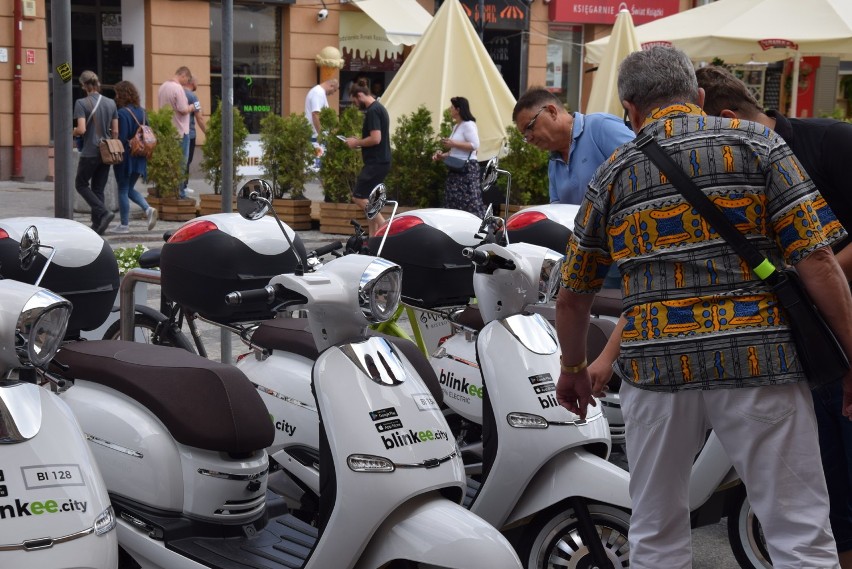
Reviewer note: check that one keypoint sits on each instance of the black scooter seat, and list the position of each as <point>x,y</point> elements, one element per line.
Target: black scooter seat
<point>204,404</point>
<point>293,335</point>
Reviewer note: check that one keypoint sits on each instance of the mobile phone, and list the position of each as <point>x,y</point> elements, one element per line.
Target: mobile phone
<point>341,138</point>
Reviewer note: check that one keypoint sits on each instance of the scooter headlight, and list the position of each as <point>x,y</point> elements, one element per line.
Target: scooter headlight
<point>41,327</point>
<point>105,522</point>
<point>369,463</point>
<point>379,290</point>
<point>550,276</point>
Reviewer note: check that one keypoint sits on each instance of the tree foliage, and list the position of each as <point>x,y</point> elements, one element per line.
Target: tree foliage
<point>340,165</point>
<point>287,152</point>
<point>165,168</point>
<point>212,151</point>
<point>528,167</point>
<point>415,179</point>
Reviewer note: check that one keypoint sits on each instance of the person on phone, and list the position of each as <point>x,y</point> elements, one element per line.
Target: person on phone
<point>96,117</point>
<point>172,94</point>
<point>463,189</point>
<point>375,148</point>
<point>196,121</point>
<point>703,344</point>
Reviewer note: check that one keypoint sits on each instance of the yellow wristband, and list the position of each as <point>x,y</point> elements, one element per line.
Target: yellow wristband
<point>573,369</point>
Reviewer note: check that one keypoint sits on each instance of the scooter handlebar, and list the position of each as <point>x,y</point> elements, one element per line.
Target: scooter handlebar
<point>326,249</point>
<point>265,294</point>
<point>483,259</point>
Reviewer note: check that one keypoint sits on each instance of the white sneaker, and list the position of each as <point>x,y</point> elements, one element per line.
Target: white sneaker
<point>120,229</point>
<point>189,191</point>
<point>151,214</point>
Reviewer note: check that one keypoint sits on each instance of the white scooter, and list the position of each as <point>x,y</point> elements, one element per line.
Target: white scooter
<point>54,508</point>
<point>180,442</point>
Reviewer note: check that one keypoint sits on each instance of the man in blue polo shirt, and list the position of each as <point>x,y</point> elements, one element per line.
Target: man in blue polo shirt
<point>577,143</point>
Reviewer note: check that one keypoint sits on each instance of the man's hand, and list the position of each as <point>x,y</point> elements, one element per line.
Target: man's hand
<point>574,392</point>
<point>600,372</point>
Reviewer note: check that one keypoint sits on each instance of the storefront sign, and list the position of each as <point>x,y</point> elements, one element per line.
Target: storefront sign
<point>605,11</point>
<point>499,14</point>
<point>365,46</point>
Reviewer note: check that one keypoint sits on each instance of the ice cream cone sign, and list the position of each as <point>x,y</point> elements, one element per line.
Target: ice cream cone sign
<point>329,62</point>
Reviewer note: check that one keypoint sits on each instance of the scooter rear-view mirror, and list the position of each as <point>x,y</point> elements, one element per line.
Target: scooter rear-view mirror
<point>248,205</point>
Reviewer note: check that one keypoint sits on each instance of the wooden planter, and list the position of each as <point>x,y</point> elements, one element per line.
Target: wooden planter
<point>173,209</point>
<point>212,203</point>
<point>334,217</point>
<point>295,213</point>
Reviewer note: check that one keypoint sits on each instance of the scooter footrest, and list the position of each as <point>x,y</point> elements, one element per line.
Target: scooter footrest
<point>471,492</point>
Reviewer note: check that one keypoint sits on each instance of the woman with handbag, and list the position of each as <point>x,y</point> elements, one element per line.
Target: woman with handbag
<point>130,117</point>
<point>462,191</point>
<point>95,118</point>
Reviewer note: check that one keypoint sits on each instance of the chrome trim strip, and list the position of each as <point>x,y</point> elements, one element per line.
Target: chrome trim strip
<point>285,398</point>
<point>428,463</point>
<point>20,412</point>
<point>578,422</point>
<point>36,544</point>
<point>229,476</point>
<point>114,446</point>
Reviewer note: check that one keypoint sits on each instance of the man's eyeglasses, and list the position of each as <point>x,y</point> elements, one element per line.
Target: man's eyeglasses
<point>531,125</point>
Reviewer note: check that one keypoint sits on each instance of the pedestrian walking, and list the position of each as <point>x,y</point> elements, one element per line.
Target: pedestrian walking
<point>96,118</point>
<point>196,122</point>
<point>463,189</point>
<point>172,93</point>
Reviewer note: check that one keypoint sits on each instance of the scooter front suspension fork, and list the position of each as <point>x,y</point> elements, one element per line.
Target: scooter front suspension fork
<point>589,534</point>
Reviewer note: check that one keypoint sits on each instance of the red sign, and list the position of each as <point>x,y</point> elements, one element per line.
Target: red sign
<point>499,14</point>
<point>773,43</point>
<point>605,11</point>
<point>30,56</point>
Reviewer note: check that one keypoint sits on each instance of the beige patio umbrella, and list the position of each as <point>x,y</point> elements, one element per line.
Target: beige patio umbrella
<point>622,42</point>
<point>448,61</point>
<point>738,31</point>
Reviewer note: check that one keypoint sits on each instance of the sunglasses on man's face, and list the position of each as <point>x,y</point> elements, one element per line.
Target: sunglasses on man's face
<point>528,130</point>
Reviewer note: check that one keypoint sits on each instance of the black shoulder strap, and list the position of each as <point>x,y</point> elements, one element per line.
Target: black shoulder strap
<point>684,184</point>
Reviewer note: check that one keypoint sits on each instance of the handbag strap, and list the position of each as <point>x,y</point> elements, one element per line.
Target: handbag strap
<point>132,114</point>
<point>760,265</point>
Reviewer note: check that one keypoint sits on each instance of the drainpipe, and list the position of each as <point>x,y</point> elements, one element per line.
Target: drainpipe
<point>17,162</point>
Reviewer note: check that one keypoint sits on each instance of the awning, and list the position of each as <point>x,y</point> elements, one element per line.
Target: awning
<point>403,21</point>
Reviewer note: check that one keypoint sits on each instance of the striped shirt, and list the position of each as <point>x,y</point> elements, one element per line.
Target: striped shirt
<point>697,317</point>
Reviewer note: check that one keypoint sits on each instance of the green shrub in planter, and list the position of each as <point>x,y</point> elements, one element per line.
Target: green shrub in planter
<point>528,166</point>
<point>340,165</point>
<point>287,152</point>
<point>212,151</point>
<point>165,168</point>
<point>128,257</point>
<point>415,179</point>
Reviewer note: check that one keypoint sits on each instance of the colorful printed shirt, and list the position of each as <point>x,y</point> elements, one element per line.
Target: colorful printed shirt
<point>697,317</point>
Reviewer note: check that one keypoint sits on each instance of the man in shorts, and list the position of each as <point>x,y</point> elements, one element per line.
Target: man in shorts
<point>375,148</point>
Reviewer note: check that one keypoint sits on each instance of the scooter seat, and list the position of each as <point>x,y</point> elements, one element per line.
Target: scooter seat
<point>204,404</point>
<point>293,335</point>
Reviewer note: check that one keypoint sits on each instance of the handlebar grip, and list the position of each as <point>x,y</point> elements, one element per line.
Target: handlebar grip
<point>265,294</point>
<point>326,249</point>
<point>475,255</point>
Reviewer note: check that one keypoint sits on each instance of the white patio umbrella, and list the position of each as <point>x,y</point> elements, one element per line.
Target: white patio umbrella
<point>737,31</point>
<point>623,41</point>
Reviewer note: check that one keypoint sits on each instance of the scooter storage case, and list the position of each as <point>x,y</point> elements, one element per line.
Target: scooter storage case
<point>428,245</point>
<point>83,270</point>
<point>213,255</point>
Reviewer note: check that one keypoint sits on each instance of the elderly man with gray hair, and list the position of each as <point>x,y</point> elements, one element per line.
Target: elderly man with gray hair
<point>703,343</point>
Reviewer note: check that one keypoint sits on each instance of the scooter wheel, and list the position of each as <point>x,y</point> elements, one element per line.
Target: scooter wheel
<point>145,328</point>
<point>746,535</point>
<point>553,539</point>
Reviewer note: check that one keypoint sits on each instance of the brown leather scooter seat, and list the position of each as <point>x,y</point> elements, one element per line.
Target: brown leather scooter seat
<point>293,335</point>
<point>203,404</point>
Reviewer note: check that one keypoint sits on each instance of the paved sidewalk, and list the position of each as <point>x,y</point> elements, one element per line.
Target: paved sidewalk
<point>36,199</point>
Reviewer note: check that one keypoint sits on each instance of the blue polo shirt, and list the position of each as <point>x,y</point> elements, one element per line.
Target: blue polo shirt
<point>594,139</point>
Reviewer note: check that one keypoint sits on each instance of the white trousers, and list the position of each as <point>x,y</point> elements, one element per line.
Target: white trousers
<point>770,435</point>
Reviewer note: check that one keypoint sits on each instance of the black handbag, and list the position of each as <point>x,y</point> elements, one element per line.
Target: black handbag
<point>821,356</point>
<point>454,164</point>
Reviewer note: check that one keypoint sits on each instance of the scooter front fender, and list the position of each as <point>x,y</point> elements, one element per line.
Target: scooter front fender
<point>432,530</point>
<point>576,472</point>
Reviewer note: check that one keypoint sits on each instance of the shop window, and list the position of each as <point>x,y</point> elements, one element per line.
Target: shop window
<point>565,64</point>
<point>257,60</point>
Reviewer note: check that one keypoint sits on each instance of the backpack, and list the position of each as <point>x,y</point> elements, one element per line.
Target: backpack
<point>142,143</point>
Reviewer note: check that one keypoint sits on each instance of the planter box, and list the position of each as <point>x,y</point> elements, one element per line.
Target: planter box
<point>174,209</point>
<point>212,203</point>
<point>334,217</point>
<point>295,213</point>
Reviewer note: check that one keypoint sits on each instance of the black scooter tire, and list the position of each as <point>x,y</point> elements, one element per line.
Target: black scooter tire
<point>745,534</point>
<point>146,325</point>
